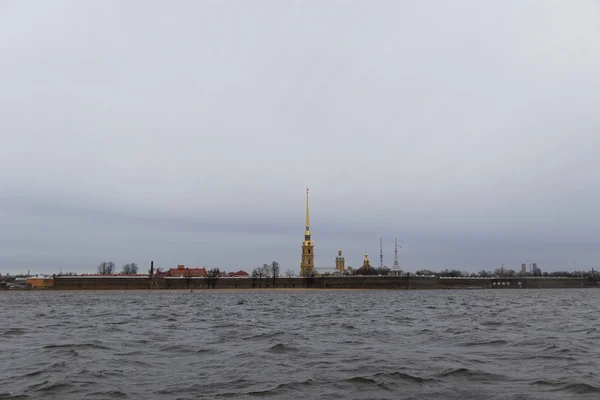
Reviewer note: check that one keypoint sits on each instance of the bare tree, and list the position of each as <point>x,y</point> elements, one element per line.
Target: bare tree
<point>111,268</point>
<point>275,271</point>
<point>130,269</point>
<point>289,273</point>
<point>106,268</point>
<point>503,272</point>
<point>134,268</point>
<point>211,277</point>
<point>261,272</point>
<point>310,278</point>
<point>187,275</point>
<point>256,274</point>
<point>266,272</point>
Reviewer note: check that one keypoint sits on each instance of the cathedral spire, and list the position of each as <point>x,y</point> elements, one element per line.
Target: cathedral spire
<point>307,219</point>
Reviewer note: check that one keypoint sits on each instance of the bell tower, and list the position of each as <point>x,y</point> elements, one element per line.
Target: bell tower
<point>339,262</point>
<point>307,265</point>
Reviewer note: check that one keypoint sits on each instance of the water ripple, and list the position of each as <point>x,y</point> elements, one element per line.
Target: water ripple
<point>509,344</point>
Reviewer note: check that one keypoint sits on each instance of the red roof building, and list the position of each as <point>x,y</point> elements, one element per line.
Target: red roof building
<point>188,272</point>
<point>239,274</point>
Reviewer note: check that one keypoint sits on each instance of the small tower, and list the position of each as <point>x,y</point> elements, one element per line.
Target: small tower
<point>366,268</point>
<point>307,265</point>
<point>339,262</point>
<point>366,262</point>
<point>396,270</point>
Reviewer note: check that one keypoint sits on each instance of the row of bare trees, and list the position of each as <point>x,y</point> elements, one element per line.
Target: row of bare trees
<point>268,272</point>
<point>506,273</point>
<point>109,268</point>
<point>367,271</point>
<point>211,278</point>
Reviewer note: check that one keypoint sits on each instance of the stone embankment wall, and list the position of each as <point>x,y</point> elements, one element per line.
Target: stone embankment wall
<point>101,283</point>
<point>347,282</point>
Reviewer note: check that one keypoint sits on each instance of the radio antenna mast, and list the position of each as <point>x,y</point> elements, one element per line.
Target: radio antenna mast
<point>381,252</point>
<point>396,265</point>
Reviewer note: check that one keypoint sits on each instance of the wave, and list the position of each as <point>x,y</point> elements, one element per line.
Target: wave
<point>48,387</point>
<point>544,382</point>
<point>361,380</point>
<point>495,342</point>
<point>34,373</point>
<point>177,348</point>
<point>571,387</point>
<point>264,335</point>
<point>50,368</point>
<point>77,346</point>
<point>367,381</point>
<point>274,391</point>
<point>580,388</point>
<point>491,323</point>
<point>555,349</point>
<point>130,353</point>
<point>111,394</point>
<point>456,330</point>
<point>13,332</point>
<point>475,375</point>
<point>552,357</point>
<point>121,322</point>
<point>206,350</point>
<point>281,348</point>
<point>396,375</point>
<point>13,396</point>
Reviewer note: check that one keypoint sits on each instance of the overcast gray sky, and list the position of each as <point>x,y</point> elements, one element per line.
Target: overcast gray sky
<point>186,133</point>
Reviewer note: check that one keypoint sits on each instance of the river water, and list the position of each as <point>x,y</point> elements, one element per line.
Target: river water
<point>480,344</point>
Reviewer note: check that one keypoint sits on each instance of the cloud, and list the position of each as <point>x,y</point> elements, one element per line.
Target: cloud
<point>189,131</point>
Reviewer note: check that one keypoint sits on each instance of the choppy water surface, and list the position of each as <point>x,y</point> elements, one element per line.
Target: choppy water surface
<point>513,344</point>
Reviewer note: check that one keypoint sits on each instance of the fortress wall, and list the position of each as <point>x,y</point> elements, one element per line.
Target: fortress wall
<point>556,283</point>
<point>349,282</point>
<point>83,283</point>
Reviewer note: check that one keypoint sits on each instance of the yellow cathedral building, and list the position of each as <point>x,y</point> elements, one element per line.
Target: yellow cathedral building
<point>307,266</point>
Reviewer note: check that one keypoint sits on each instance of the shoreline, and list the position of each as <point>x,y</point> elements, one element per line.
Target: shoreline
<point>248,290</point>
<point>118,284</point>
<point>228,290</point>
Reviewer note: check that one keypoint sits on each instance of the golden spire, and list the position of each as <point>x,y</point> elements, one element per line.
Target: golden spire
<point>307,220</point>
<point>307,266</point>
